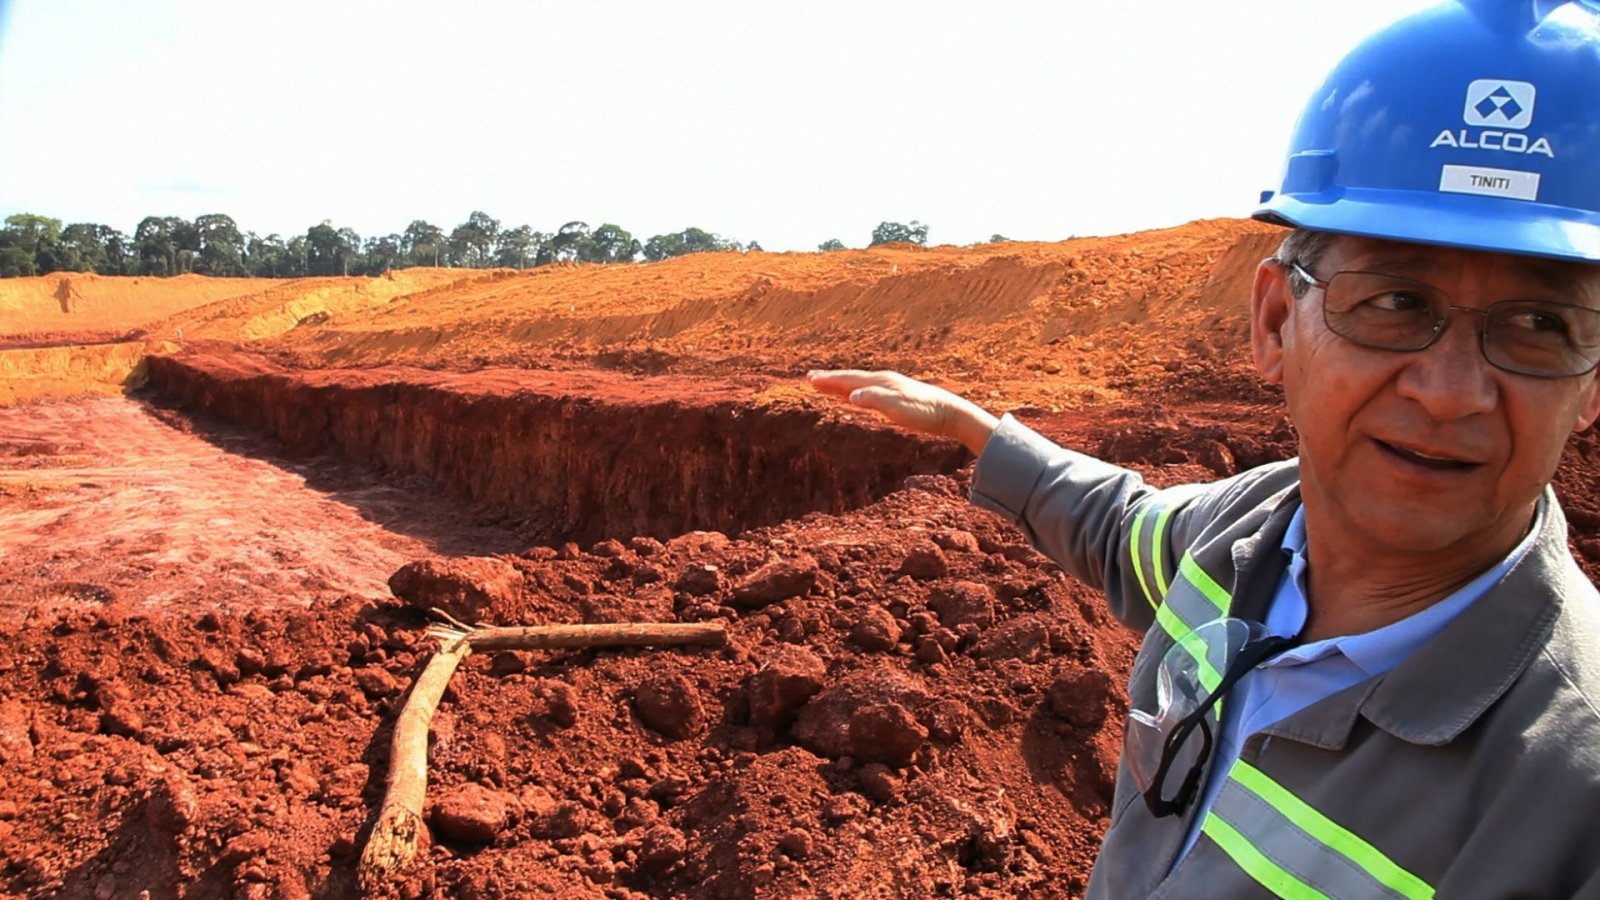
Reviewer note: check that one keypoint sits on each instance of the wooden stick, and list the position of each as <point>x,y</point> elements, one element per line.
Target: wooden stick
<point>394,838</point>
<point>628,634</point>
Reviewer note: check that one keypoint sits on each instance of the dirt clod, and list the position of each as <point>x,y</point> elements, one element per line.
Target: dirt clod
<point>1082,696</point>
<point>925,561</point>
<point>963,603</point>
<point>886,733</point>
<point>669,704</point>
<point>875,629</point>
<point>464,588</point>
<point>472,813</point>
<point>777,580</point>
<point>790,677</point>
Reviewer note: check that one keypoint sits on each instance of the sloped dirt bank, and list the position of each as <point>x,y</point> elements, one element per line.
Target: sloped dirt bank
<point>53,372</point>
<point>575,456</point>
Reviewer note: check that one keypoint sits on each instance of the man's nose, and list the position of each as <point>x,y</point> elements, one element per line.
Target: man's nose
<point>1451,379</point>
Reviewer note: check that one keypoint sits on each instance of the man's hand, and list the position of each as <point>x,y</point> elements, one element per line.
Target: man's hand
<point>910,404</point>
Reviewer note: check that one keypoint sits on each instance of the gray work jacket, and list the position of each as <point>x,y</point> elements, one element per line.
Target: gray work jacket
<point>1470,770</point>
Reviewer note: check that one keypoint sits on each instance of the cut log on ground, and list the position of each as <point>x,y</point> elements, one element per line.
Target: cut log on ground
<point>395,835</point>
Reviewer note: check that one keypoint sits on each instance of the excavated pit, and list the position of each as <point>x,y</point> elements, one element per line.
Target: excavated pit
<point>564,457</point>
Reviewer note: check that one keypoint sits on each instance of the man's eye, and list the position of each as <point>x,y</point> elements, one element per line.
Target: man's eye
<point>1540,320</point>
<point>1397,301</point>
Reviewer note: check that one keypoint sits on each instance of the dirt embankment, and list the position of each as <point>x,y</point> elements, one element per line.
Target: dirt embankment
<point>1050,325</point>
<point>75,335</point>
<point>62,372</point>
<point>68,302</point>
<point>569,456</point>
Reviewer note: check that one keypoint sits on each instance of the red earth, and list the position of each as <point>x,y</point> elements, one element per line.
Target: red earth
<point>213,591</point>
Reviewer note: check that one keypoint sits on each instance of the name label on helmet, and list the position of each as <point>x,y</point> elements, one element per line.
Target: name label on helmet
<point>1489,139</point>
<point>1489,182</point>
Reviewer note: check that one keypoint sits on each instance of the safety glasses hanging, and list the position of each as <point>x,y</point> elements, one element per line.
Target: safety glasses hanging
<point>1193,677</point>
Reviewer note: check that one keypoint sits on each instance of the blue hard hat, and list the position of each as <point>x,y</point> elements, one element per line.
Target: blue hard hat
<point>1473,124</point>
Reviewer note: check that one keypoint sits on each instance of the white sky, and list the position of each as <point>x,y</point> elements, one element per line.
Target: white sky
<point>785,123</point>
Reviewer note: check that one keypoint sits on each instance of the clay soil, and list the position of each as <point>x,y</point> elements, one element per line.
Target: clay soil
<point>213,590</point>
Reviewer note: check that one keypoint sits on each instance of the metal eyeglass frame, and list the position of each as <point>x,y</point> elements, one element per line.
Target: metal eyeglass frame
<point>1439,324</point>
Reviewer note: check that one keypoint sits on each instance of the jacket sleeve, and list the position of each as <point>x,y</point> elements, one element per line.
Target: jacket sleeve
<point>1101,522</point>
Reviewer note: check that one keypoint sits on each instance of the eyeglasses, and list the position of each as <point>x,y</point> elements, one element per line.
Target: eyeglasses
<point>1188,689</point>
<point>1542,338</point>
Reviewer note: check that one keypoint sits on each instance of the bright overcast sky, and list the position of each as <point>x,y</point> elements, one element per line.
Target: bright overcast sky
<point>784,123</point>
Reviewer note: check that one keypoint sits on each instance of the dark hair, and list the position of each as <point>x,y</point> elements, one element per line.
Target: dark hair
<point>1305,247</point>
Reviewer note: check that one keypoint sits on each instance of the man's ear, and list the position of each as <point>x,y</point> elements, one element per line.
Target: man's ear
<point>1271,304</point>
<point>1590,410</point>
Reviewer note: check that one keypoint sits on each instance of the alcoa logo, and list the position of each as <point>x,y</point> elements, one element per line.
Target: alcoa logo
<point>1500,110</point>
<point>1507,104</point>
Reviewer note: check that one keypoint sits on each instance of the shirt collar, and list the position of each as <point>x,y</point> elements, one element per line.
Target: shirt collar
<point>1378,651</point>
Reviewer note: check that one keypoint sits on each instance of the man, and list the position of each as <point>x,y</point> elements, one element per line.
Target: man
<point>1373,671</point>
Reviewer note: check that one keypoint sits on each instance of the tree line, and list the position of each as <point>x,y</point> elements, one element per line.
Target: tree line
<point>213,244</point>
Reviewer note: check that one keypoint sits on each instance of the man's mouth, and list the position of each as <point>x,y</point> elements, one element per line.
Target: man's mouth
<point>1427,460</point>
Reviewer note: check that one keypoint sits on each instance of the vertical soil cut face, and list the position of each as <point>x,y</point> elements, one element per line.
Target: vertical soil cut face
<point>569,456</point>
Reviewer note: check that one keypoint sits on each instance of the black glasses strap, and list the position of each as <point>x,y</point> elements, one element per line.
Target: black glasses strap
<point>1252,655</point>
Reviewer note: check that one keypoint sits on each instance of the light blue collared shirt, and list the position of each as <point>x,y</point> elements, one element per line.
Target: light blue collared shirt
<point>1297,678</point>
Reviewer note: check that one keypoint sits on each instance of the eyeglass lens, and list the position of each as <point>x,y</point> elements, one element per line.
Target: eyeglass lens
<point>1531,337</point>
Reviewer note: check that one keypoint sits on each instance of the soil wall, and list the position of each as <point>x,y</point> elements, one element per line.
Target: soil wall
<point>546,452</point>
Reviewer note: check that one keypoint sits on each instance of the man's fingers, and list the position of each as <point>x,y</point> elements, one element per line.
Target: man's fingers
<point>877,399</point>
<point>841,382</point>
<point>909,403</point>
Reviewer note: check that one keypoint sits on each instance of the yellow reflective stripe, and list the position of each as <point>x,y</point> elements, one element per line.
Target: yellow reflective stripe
<point>1204,583</point>
<point>1157,545</point>
<point>1178,630</point>
<point>1267,873</point>
<point>1138,564</point>
<point>1347,843</point>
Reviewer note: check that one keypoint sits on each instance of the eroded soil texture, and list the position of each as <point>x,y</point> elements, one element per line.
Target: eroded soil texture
<point>213,592</point>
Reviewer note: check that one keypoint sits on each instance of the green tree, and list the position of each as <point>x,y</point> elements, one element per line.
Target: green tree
<point>472,242</point>
<point>14,261</point>
<point>380,254</point>
<point>830,245</point>
<point>423,243</point>
<point>91,247</point>
<point>571,242</point>
<point>324,250</point>
<point>186,238</point>
<point>664,246</point>
<point>894,232</point>
<point>267,257</point>
<point>155,245</point>
<point>221,246</point>
<point>518,247</point>
<point>999,239</point>
<point>689,240</point>
<point>297,257</point>
<point>611,244</point>
<point>118,250</point>
<point>81,250</point>
<point>349,251</point>
<point>39,237</point>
